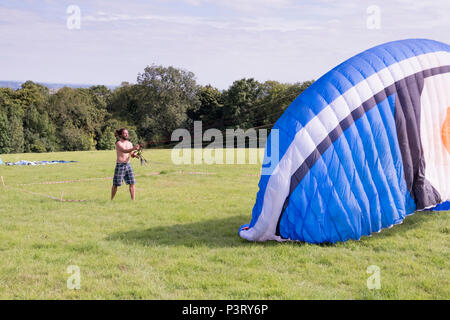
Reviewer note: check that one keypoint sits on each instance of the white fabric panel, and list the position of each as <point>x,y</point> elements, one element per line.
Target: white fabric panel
<point>434,105</point>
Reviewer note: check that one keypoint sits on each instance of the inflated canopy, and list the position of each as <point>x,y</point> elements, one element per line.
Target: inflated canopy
<point>360,149</point>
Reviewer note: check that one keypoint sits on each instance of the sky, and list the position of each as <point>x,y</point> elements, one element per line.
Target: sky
<point>220,41</point>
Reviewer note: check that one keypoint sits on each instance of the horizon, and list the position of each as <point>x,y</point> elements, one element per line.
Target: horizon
<point>45,83</point>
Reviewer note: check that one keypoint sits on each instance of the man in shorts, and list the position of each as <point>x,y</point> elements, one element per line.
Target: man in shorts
<point>123,170</point>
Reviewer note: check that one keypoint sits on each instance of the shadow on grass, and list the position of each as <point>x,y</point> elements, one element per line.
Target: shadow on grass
<point>210,233</point>
<point>224,233</point>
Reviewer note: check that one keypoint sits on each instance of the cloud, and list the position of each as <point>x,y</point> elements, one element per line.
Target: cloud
<point>243,24</point>
<point>245,5</point>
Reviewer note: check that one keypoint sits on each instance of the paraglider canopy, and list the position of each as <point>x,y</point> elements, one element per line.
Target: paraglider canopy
<point>360,149</point>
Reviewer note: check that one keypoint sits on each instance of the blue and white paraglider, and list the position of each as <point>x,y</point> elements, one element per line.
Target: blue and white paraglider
<point>360,149</point>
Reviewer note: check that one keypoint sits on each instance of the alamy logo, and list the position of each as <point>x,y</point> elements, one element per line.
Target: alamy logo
<point>74,280</point>
<point>237,147</point>
<point>74,18</point>
<point>373,21</point>
<point>374,281</point>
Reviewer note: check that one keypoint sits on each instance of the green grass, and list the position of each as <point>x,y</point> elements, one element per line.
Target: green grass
<point>179,239</point>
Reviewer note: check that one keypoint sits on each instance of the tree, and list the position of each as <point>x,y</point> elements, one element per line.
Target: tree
<point>210,110</point>
<point>79,117</point>
<point>275,99</point>
<point>123,103</point>
<point>241,102</point>
<point>11,136</point>
<point>5,145</point>
<point>162,100</point>
<point>107,140</point>
<point>164,97</point>
<point>38,130</point>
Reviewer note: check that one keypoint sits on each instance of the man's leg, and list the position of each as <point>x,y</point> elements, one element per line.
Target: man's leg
<point>119,173</point>
<point>113,191</point>
<point>130,180</point>
<point>132,191</point>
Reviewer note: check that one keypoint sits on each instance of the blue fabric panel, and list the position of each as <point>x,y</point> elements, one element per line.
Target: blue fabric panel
<point>356,188</point>
<point>445,206</point>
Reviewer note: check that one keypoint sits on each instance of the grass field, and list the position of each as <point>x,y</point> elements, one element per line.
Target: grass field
<point>179,239</point>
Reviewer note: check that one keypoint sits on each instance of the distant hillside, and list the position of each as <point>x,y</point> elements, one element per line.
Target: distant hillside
<point>16,85</point>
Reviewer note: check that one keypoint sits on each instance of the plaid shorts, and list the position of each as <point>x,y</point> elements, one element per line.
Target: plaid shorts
<point>123,171</point>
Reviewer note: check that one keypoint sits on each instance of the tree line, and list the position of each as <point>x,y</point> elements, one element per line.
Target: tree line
<point>32,119</point>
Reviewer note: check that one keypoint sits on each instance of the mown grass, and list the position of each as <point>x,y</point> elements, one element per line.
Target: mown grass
<point>179,239</point>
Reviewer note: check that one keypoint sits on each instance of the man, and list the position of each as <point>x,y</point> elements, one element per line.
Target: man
<point>123,167</point>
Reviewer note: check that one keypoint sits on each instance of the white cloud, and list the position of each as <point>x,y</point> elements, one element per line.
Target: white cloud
<point>244,24</point>
<point>245,5</point>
